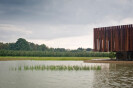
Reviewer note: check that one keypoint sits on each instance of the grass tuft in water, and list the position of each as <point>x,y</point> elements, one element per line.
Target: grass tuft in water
<point>57,67</point>
<point>19,68</point>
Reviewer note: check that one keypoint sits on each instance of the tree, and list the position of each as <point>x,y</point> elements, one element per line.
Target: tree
<point>33,47</point>
<point>22,44</point>
<point>88,49</point>
<point>1,45</point>
<point>43,47</point>
<point>80,49</point>
<point>12,46</point>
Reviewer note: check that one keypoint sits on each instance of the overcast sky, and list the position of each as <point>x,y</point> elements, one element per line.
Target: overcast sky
<point>60,23</point>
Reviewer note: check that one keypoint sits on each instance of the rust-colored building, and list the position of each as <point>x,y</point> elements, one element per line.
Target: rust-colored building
<point>117,39</point>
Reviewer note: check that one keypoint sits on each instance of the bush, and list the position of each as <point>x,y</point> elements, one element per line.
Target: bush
<point>112,55</point>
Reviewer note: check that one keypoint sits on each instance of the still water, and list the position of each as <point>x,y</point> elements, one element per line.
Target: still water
<point>111,76</point>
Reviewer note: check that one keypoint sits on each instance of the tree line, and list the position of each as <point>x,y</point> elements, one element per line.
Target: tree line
<point>24,48</point>
<point>23,45</point>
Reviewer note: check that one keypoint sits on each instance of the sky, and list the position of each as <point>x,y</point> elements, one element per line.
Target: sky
<point>60,23</point>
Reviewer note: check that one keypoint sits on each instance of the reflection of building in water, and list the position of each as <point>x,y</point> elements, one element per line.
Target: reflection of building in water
<point>117,76</point>
<point>101,77</point>
<point>117,39</point>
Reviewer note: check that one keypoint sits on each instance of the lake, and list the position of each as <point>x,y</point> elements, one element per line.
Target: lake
<point>110,76</point>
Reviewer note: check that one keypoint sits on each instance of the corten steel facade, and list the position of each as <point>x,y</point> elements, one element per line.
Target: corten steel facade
<point>114,39</point>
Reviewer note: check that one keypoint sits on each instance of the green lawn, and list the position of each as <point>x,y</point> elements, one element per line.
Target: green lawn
<point>50,58</point>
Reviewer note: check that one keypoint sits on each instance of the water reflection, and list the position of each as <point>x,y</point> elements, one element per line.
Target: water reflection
<point>117,76</point>
<point>110,76</point>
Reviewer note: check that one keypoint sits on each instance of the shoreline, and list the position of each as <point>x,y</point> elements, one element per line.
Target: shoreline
<point>108,61</point>
<point>50,58</point>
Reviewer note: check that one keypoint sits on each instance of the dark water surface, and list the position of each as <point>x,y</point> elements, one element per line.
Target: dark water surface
<point>111,76</point>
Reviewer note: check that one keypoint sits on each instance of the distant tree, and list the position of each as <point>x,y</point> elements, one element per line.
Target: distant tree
<point>33,46</point>
<point>80,49</point>
<point>36,47</point>
<point>43,47</point>
<point>12,46</point>
<point>60,49</point>
<point>88,49</point>
<point>23,48</point>
<point>22,44</point>
<point>1,45</point>
<point>4,46</point>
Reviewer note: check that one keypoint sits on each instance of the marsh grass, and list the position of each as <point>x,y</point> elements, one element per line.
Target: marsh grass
<point>57,67</point>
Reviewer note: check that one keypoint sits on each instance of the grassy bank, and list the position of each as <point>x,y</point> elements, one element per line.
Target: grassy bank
<point>50,58</point>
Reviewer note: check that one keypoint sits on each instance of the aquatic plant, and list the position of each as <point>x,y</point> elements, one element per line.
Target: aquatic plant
<point>57,67</point>
<point>19,68</point>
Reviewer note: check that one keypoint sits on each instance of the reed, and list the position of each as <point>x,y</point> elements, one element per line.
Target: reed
<point>57,67</point>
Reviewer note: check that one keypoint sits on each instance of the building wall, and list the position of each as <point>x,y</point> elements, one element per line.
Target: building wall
<point>115,38</point>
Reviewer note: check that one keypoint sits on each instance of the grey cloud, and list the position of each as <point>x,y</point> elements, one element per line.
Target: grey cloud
<point>11,32</point>
<point>50,19</point>
<point>48,32</point>
<point>64,11</point>
<point>10,36</point>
